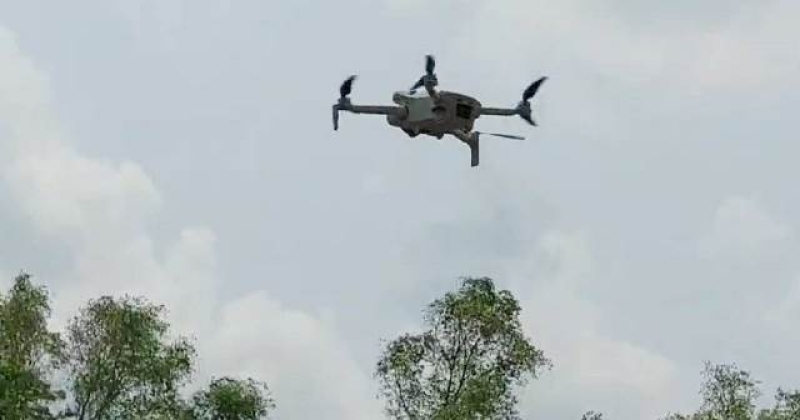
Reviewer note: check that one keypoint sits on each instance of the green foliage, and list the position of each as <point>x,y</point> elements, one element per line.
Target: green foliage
<point>29,352</point>
<point>232,399</point>
<point>122,366</point>
<point>118,361</point>
<point>467,364</point>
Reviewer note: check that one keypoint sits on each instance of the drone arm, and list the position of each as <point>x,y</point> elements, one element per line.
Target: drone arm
<point>499,111</point>
<point>365,109</point>
<point>375,109</point>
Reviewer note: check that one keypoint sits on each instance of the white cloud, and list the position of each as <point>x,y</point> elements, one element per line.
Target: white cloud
<point>96,210</point>
<point>69,194</point>
<point>744,231</point>
<point>592,370</point>
<point>309,368</point>
<point>99,211</point>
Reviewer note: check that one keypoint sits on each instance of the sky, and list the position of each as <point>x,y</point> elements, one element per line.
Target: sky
<point>184,151</point>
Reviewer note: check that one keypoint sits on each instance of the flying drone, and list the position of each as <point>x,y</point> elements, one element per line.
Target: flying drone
<point>436,112</point>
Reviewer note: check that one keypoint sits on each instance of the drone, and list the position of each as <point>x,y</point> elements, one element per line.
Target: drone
<point>435,112</point>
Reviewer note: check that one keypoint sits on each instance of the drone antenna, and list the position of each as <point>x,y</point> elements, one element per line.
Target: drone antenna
<point>507,136</point>
<point>344,90</point>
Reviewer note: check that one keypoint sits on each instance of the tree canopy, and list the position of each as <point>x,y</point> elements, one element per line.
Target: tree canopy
<point>730,393</point>
<point>116,363</point>
<point>468,362</point>
<point>29,352</point>
<point>116,360</point>
<point>120,362</point>
<point>231,399</point>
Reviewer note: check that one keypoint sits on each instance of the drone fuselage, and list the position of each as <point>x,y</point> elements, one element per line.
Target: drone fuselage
<point>425,110</point>
<point>445,114</point>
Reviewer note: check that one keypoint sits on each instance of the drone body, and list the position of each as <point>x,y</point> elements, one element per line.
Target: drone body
<point>436,113</point>
<point>424,115</point>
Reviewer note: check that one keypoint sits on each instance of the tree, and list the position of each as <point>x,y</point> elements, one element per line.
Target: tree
<point>232,399</point>
<point>121,365</point>
<point>592,415</point>
<point>787,407</point>
<point>29,352</point>
<point>118,364</point>
<point>676,416</point>
<point>729,393</point>
<point>466,365</point>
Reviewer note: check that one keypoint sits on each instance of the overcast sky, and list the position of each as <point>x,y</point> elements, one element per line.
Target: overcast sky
<point>183,150</point>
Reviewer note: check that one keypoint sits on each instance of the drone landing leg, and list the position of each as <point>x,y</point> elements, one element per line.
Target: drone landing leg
<point>472,140</point>
<point>474,152</point>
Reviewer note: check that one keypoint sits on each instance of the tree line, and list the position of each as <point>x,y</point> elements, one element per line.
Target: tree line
<point>115,360</point>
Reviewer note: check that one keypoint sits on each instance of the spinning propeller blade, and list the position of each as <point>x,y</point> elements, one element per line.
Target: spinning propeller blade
<point>524,107</point>
<point>532,89</point>
<point>420,83</point>
<point>430,64</point>
<point>347,86</point>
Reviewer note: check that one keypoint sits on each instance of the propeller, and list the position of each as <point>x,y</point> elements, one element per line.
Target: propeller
<point>430,65</point>
<point>507,136</point>
<point>524,107</point>
<point>532,89</point>
<point>344,90</point>
<point>347,86</point>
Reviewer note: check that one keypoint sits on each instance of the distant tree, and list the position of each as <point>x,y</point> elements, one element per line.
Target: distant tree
<point>466,365</point>
<point>121,364</point>
<point>29,352</point>
<point>232,399</point>
<point>676,416</point>
<point>729,393</point>
<point>592,415</point>
<point>787,407</point>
